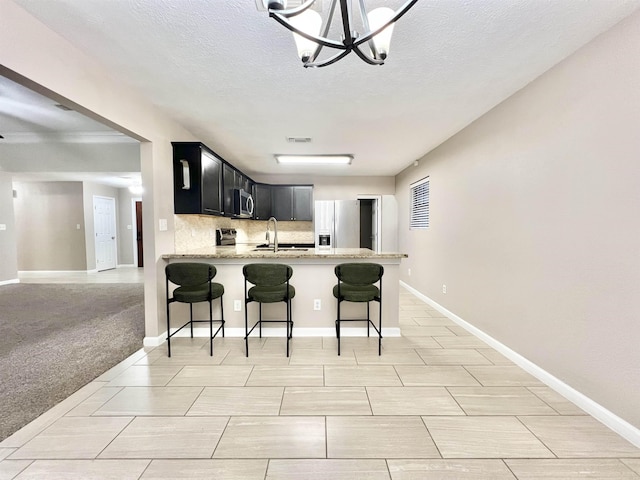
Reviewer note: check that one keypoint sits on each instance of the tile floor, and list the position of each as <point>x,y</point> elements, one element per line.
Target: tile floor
<point>438,404</point>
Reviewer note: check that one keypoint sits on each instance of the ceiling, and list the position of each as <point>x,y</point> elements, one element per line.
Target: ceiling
<point>231,76</point>
<point>44,141</point>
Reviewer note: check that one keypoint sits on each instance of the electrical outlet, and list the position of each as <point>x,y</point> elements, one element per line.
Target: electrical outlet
<point>409,271</point>
<point>237,305</point>
<point>444,289</point>
<point>317,304</point>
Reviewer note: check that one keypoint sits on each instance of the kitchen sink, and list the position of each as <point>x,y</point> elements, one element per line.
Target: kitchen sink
<point>280,249</point>
<point>295,246</point>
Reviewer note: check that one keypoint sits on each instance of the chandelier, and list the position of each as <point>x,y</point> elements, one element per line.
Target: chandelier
<point>310,31</point>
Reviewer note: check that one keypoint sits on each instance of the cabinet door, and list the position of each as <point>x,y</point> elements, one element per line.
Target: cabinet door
<point>211,184</point>
<point>262,197</point>
<point>282,202</point>
<point>303,203</point>
<point>229,183</point>
<point>187,181</point>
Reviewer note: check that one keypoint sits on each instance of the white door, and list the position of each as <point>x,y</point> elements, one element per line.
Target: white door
<point>104,220</point>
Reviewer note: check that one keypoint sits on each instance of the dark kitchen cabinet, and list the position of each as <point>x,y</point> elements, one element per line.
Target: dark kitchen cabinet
<point>262,197</point>
<point>292,202</point>
<point>282,202</point>
<point>197,179</point>
<point>233,179</point>
<point>229,182</point>
<point>303,203</point>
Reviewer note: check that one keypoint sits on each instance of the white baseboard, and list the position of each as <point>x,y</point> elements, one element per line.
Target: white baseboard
<point>7,282</point>
<point>275,332</point>
<point>122,265</point>
<point>48,272</point>
<point>597,411</point>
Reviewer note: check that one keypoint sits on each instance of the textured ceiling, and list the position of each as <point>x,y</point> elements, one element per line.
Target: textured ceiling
<point>230,74</point>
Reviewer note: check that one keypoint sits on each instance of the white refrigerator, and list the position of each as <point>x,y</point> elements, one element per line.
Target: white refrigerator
<point>337,223</point>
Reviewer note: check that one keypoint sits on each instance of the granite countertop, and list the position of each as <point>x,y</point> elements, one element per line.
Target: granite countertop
<point>250,251</point>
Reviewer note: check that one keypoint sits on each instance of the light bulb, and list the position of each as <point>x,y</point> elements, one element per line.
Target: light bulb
<point>382,40</point>
<point>309,22</point>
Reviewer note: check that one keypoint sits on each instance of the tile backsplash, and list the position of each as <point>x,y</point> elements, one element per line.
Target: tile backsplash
<point>199,231</point>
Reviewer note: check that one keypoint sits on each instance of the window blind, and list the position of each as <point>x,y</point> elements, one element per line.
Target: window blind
<point>419,202</point>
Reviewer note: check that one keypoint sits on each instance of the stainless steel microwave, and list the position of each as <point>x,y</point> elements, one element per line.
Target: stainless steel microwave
<point>242,204</point>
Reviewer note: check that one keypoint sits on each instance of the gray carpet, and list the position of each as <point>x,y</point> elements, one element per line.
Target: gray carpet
<point>56,338</point>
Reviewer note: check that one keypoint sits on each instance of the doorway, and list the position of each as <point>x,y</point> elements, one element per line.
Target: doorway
<point>370,222</point>
<point>104,220</point>
<point>138,250</point>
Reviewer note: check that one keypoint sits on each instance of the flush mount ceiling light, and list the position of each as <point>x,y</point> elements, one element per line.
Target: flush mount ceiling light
<point>314,159</point>
<point>307,25</point>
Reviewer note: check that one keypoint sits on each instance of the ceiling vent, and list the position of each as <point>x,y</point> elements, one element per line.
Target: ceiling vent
<point>62,107</point>
<point>261,5</point>
<point>299,139</point>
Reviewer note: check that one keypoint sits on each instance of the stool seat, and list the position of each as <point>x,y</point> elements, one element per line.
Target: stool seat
<point>353,293</point>
<point>271,294</point>
<point>198,293</point>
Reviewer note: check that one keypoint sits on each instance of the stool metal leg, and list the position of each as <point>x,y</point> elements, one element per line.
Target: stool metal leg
<point>211,327</point>
<point>168,332</point>
<point>191,317</point>
<point>222,314</point>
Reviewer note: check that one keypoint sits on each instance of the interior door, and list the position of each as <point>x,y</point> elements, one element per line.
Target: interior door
<point>104,220</point>
<point>139,233</point>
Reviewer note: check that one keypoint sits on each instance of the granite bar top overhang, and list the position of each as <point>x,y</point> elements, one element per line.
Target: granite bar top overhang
<point>250,252</point>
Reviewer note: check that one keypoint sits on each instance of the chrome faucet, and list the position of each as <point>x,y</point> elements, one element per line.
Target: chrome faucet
<point>275,233</point>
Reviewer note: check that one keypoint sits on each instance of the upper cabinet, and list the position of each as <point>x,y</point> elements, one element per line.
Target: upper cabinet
<point>262,197</point>
<point>233,179</point>
<point>204,183</point>
<point>292,202</point>
<point>197,179</point>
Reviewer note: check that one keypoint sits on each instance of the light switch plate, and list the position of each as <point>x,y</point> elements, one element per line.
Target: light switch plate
<point>162,224</point>
<point>3,226</point>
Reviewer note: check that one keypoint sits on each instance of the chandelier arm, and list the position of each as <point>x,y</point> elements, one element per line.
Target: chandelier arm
<point>314,38</point>
<point>324,33</point>
<point>365,23</point>
<point>404,9</point>
<point>366,58</point>
<point>345,11</point>
<point>293,11</point>
<point>329,61</point>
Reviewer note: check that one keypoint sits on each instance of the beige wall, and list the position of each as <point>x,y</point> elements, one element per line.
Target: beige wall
<point>8,252</point>
<point>47,218</point>
<point>535,224</point>
<point>61,71</point>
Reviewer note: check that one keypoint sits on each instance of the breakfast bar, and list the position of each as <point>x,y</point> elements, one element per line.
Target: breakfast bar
<point>314,306</point>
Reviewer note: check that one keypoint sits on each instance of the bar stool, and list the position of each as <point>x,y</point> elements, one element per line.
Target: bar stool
<point>270,285</point>
<point>356,283</point>
<point>194,285</point>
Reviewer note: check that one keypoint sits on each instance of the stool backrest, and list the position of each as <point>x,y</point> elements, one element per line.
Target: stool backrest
<point>359,274</point>
<point>267,274</point>
<point>190,274</point>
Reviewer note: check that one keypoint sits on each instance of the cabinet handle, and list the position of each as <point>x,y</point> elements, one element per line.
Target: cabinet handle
<point>186,178</point>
